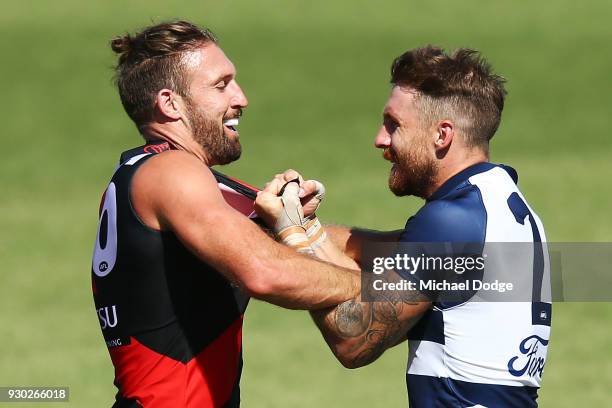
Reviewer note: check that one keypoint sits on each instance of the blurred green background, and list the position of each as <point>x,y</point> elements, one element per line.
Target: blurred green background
<point>316,75</point>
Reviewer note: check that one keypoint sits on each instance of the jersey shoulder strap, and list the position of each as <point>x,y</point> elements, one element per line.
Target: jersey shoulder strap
<point>130,157</point>
<point>150,148</point>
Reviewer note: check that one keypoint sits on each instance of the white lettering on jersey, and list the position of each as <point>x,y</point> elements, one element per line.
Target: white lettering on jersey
<point>105,250</point>
<point>107,319</point>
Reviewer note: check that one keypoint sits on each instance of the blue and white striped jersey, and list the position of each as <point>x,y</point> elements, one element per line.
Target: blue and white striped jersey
<point>473,353</point>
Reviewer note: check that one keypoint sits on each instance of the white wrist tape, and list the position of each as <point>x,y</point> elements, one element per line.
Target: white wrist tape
<point>295,237</point>
<point>315,232</point>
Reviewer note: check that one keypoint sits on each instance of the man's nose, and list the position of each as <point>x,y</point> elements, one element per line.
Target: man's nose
<point>383,139</point>
<point>239,99</point>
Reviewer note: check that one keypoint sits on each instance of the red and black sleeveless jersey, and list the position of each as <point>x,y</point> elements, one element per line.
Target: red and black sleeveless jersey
<point>172,324</point>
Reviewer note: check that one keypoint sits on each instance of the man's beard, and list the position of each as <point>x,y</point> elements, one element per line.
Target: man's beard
<point>413,173</point>
<point>209,134</point>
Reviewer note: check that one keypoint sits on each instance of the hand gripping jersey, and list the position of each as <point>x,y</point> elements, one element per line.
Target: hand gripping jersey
<point>172,324</point>
<point>474,353</point>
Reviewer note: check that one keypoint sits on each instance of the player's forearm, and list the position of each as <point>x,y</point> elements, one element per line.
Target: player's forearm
<point>351,240</point>
<point>344,345</point>
<point>297,281</point>
<point>358,332</point>
<point>271,271</point>
<point>329,252</point>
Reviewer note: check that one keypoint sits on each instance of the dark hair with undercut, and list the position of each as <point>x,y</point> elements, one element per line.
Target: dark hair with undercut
<point>154,59</point>
<point>459,86</point>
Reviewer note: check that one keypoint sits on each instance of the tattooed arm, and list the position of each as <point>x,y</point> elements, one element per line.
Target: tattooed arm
<point>359,332</point>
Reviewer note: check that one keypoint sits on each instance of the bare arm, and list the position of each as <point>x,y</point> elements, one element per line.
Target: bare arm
<point>351,240</point>
<point>174,191</point>
<point>359,332</point>
<point>329,252</point>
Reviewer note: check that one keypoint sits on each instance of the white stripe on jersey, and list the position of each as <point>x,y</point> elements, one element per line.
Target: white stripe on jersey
<point>481,338</point>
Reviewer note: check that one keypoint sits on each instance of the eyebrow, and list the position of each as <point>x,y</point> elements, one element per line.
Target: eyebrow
<point>390,114</point>
<point>224,77</point>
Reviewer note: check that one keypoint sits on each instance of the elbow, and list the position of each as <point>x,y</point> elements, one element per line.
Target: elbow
<point>349,361</point>
<point>350,358</point>
<point>259,288</point>
<point>259,282</point>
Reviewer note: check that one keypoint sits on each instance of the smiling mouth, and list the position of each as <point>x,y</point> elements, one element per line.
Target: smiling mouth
<point>231,124</point>
<point>388,155</point>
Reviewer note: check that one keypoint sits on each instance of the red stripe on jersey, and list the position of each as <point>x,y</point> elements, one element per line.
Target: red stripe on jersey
<point>236,200</point>
<point>243,183</point>
<point>156,148</point>
<point>157,381</point>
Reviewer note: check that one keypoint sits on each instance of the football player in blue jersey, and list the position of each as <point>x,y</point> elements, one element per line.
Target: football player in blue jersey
<point>437,125</point>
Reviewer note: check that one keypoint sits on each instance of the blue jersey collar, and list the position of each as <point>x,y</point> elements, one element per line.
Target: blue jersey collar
<point>450,184</point>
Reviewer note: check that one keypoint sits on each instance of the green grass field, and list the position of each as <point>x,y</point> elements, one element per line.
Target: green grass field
<point>316,76</point>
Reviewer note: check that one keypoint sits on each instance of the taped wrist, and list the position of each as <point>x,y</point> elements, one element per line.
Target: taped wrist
<point>295,237</point>
<point>315,232</point>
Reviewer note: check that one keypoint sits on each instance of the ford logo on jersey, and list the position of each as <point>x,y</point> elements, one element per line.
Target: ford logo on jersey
<point>530,361</point>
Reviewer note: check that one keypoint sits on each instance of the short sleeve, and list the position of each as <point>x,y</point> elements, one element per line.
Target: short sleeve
<point>440,240</point>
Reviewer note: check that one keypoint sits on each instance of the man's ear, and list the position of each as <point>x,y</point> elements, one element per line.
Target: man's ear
<point>168,105</point>
<point>445,133</point>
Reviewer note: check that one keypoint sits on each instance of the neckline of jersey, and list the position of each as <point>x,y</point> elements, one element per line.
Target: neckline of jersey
<point>450,184</point>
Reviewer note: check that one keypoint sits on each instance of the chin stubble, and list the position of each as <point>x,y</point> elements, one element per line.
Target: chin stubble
<point>412,175</point>
<point>210,135</point>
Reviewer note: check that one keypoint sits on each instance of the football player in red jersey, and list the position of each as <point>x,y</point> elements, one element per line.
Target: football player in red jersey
<point>174,263</point>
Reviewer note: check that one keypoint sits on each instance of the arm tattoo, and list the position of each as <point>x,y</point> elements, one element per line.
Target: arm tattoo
<point>376,324</point>
<point>351,319</point>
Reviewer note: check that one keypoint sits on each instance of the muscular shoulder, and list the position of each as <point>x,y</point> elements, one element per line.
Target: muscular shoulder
<point>458,217</point>
<point>172,166</point>
<point>172,180</point>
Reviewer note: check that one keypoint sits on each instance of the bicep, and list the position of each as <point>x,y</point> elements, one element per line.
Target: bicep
<point>186,200</point>
<point>222,237</point>
<point>352,240</point>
